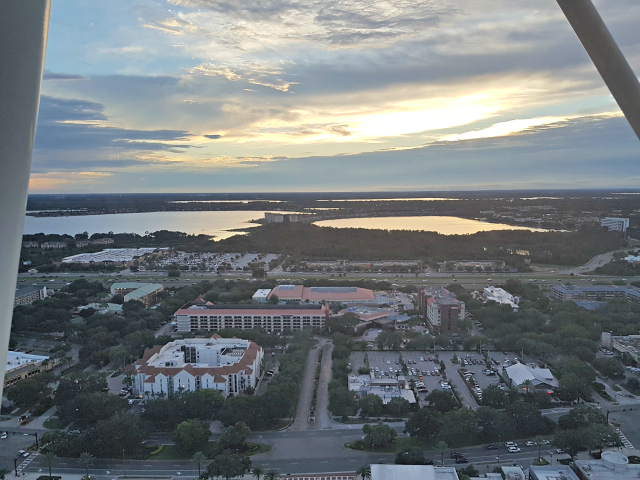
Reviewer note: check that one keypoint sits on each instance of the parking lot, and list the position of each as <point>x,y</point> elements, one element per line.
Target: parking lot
<point>427,366</point>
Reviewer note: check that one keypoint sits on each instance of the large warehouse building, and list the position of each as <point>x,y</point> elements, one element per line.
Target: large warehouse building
<point>230,365</point>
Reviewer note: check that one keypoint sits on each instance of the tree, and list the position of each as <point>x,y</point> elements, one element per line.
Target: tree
<point>459,426</point>
<point>398,406</point>
<point>573,387</point>
<point>229,466</point>
<point>3,472</point>
<point>571,441</point>
<point>271,475</point>
<point>425,423</point>
<point>442,400</point>
<point>495,397</point>
<point>379,435</point>
<point>198,458</point>
<point>191,435</point>
<point>273,299</point>
<point>609,367</point>
<point>341,401</point>
<point>441,446</point>
<point>26,393</point>
<point>122,431</point>
<point>371,405</point>
<point>257,473</point>
<point>412,456</point>
<point>234,437</point>
<point>50,460</point>
<point>86,460</point>
<point>364,472</point>
<point>118,298</point>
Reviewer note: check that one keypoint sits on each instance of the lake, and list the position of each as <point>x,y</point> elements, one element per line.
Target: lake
<point>219,223</point>
<point>209,223</point>
<point>442,225</point>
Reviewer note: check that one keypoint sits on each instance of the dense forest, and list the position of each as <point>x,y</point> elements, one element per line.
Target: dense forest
<point>308,241</point>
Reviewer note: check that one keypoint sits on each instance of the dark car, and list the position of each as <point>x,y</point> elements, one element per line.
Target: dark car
<point>492,447</point>
<point>462,460</point>
<point>457,455</point>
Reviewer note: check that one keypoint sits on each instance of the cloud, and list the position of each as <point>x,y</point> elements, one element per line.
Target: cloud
<point>55,180</point>
<point>213,137</point>
<point>49,75</point>
<point>78,133</point>
<point>249,72</point>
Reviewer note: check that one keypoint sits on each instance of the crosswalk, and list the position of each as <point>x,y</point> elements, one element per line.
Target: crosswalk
<point>625,441</point>
<point>26,462</point>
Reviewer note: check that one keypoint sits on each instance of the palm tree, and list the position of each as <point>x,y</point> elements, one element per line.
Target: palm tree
<point>86,459</point>
<point>272,475</point>
<point>538,441</point>
<point>198,458</point>
<point>258,473</point>
<point>364,472</point>
<point>50,459</point>
<point>526,386</point>
<point>441,446</point>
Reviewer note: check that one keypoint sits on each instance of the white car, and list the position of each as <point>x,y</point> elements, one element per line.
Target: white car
<point>529,444</point>
<point>513,449</point>
<point>510,444</point>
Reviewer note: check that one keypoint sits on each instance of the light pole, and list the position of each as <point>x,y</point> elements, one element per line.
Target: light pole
<point>124,464</point>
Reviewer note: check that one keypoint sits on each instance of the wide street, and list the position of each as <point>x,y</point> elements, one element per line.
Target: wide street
<point>294,452</point>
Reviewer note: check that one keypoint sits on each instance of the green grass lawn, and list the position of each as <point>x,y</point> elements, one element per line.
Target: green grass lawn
<point>52,423</point>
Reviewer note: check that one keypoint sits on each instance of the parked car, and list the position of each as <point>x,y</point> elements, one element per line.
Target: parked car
<point>462,460</point>
<point>492,447</point>
<point>456,455</point>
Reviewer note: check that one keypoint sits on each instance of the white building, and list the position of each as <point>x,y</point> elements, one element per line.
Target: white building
<point>261,295</point>
<point>146,293</point>
<point>230,365</point>
<point>117,256</point>
<point>539,378</point>
<point>271,318</point>
<point>615,224</point>
<point>412,472</point>
<point>501,296</point>
<point>23,365</point>
<point>385,388</point>
<point>611,466</point>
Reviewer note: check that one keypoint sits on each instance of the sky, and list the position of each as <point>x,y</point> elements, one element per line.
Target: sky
<point>328,95</point>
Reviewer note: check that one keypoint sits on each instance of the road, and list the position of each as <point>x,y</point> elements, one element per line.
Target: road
<point>323,417</point>
<point>294,452</point>
<point>301,420</point>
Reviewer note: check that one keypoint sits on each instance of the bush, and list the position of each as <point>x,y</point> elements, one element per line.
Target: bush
<point>157,450</point>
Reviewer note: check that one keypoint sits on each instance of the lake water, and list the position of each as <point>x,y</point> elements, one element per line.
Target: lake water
<point>218,223</point>
<point>442,225</point>
<point>210,223</point>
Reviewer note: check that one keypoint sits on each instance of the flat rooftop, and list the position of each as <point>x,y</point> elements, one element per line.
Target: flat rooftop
<point>610,467</point>
<point>19,359</point>
<point>412,472</point>
<point>555,472</point>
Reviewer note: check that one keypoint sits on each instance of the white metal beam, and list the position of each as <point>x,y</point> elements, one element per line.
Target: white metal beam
<point>23,37</point>
<point>606,56</point>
